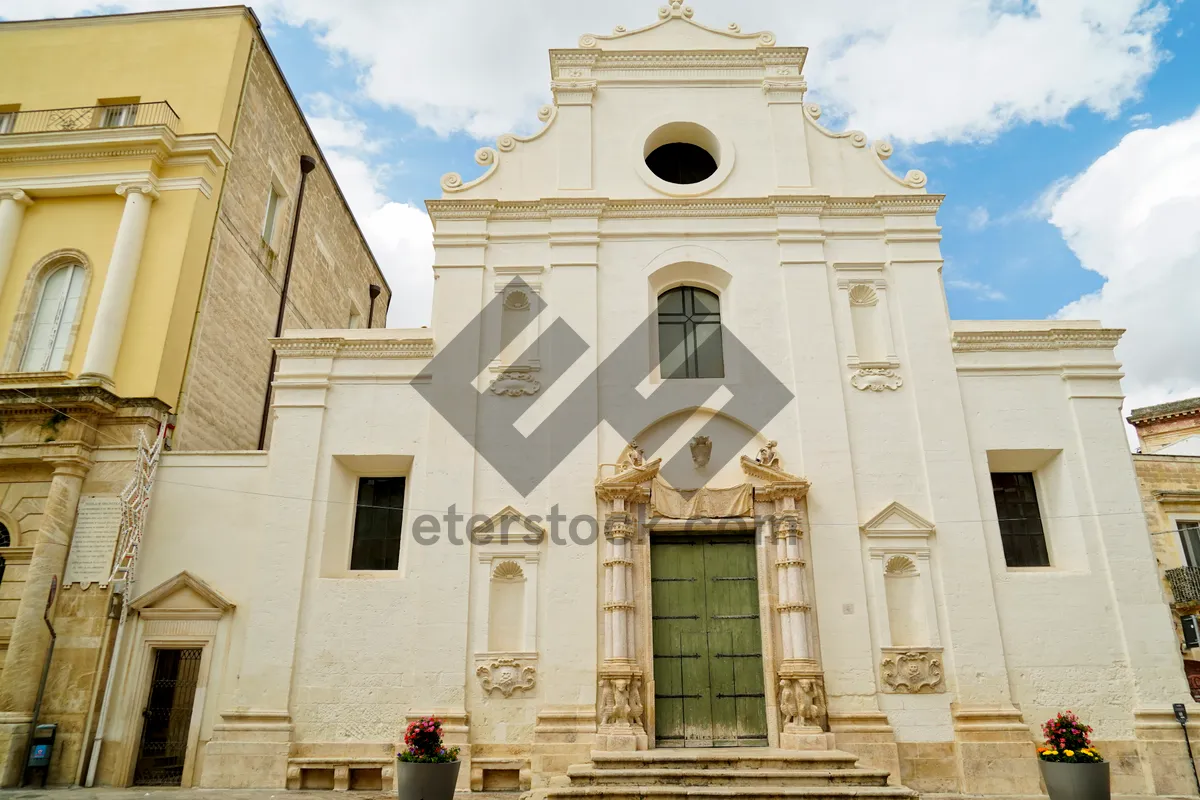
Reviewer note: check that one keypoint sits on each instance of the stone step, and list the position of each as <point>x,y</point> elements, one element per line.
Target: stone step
<point>729,758</point>
<point>587,775</point>
<point>652,792</point>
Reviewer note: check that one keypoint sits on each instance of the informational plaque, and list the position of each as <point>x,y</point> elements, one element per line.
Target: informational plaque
<point>92,548</point>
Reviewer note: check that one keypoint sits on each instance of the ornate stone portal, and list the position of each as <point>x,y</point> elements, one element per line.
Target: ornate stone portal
<point>624,700</point>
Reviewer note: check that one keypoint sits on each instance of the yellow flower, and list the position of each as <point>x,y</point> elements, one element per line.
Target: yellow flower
<point>1068,753</point>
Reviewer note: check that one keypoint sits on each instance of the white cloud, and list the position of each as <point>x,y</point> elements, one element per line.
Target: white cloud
<point>1131,217</point>
<point>916,70</point>
<point>980,290</point>
<point>978,218</point>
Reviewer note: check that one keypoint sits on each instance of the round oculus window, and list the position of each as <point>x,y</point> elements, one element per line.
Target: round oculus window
<point>682,153</point>
<point>682,163</point>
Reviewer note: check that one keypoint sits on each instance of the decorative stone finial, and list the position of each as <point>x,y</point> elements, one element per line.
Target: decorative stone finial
<point>676,10</point>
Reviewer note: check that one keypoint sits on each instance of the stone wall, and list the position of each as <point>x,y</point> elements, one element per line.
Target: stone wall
<point>223,390</point>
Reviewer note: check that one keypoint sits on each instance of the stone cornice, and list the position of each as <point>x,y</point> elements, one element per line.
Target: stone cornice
<point>91,144</point>
<point>331,347</point>
<point>812,205</point>
<point>1179,408</point>
<point>1049,339</point>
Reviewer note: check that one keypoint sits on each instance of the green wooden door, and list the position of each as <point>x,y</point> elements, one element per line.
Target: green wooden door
<point>708,671</point>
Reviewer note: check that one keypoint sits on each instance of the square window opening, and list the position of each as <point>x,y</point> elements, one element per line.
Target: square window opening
<point>378,524</point>
<point>1021,529</point>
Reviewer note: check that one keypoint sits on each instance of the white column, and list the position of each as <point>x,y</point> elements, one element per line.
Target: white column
<point>109,326</point>
<point>13,203</point>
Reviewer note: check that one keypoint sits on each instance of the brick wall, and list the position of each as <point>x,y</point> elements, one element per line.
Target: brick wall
<point>223,390</point>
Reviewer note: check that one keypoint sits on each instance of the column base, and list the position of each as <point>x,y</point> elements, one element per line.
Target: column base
<point>14,748</point>
<point>996,753</point>
<point>796,737</point>
<point>249,750</point>
<point>621,739</point>
<point>563,735</point>
<point>868,735</point>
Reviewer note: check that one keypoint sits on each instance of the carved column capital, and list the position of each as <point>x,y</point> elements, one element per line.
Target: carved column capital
<point>146,188</point>
<point>17,196</point>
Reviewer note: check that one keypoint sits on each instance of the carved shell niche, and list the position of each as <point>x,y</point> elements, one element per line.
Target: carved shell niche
<point>508,571</point>
<point>863,294</point>
<point>901,567</point>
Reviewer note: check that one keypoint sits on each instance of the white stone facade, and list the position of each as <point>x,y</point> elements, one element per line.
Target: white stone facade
<point>880,564</point>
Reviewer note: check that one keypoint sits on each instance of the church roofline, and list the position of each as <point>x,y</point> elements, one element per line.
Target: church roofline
<point>1156,413</point>
<point>772,206</point>
<point>676,13</point>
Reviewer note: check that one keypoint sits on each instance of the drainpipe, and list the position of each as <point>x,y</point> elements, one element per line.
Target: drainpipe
<point>41,693</point>
<point>307,165</point>
<point>374,291</point>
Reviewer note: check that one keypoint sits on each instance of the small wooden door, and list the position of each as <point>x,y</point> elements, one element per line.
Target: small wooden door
<point>167,718</point>
<point>708,670</point>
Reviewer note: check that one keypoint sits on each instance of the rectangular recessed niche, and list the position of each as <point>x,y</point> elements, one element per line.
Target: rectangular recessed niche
<point>367,779</point>
<point>316,779</point>
<point>501,780</point>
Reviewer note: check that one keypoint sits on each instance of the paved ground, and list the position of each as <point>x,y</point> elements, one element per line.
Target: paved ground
<point>218,794</point>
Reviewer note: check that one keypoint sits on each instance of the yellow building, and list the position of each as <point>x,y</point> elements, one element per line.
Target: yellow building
<point>1168,471</point>
<point>164,211</point>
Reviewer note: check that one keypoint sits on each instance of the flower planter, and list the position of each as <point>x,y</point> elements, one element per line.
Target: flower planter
<point>417,781</point>
<point>1076,781</point>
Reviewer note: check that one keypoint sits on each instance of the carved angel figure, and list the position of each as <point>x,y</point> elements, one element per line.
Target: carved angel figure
<point>787,703</point>
<point>607,703</point>
<point>767,456</point>
<point>812,704</point>
<point>621,708</point>
<point>634,457</point>
<point>635,702</point>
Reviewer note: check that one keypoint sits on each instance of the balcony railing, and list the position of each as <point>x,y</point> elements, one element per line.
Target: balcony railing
<point>1185,584</point>
<point>128,115</point>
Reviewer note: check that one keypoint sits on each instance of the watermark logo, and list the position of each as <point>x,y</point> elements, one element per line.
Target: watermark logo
<point>613,392</point>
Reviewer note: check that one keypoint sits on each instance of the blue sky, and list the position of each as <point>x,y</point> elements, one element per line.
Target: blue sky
<point>1065,133</point>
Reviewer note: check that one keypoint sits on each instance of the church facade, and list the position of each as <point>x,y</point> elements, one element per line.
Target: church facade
<point>691,461</point>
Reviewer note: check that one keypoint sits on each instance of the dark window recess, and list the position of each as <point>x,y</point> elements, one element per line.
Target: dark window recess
<point>1189,537</point>
<point>378,524</point>
<point>1020,519</point>
<point>680,162</point>
<point>689,334</point>
<point>5,538</point>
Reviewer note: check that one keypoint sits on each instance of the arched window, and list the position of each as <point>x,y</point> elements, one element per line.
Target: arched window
<point>5,537</point>
<point>689,334</point>
<point>56,310</point>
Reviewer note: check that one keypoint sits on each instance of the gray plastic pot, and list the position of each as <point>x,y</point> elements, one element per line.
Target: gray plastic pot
<point>415,781</point>
<point>1076,781</point>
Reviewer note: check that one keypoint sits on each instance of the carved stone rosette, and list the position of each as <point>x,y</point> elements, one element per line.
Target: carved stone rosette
<point>907,670</point>
<point>506,675</point>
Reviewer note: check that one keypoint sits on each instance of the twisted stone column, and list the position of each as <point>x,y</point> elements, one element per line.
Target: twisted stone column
<point>26,654</point>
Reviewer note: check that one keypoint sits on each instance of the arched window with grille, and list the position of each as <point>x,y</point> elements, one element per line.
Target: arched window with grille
<point>54,317</point>
<point>689,334</point>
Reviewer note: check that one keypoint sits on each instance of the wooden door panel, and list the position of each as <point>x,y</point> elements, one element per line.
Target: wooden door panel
<point>707,643</point>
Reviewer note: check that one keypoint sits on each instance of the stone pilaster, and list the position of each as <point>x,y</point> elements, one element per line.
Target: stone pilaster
<point>27,648</point>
